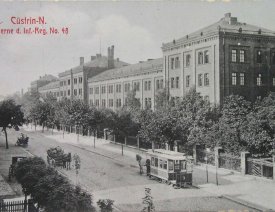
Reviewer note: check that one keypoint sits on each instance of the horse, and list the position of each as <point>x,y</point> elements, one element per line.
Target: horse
<point>67,159</point>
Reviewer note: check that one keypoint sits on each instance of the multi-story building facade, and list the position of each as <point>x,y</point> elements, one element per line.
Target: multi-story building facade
<point>73,82</point>
<point>42,81</point>
<point>50,89</point>
<point>110,88</point>
<point>227,57</point>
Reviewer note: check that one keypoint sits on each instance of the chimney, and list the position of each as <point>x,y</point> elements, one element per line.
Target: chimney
<point>93,57</point>
<point>81,61</point>
<point>229,19</point>
<point>111,61</point>
<point>227,15</point>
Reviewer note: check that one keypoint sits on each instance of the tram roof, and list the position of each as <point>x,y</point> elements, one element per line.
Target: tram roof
<point>167,154</point>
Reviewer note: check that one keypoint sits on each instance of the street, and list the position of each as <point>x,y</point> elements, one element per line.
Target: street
<point>108,174</point>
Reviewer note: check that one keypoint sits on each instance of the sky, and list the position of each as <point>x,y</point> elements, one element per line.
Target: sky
<point>136,29</point>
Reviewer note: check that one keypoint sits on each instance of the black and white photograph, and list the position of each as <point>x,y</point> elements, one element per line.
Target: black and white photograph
<point>137,106</point>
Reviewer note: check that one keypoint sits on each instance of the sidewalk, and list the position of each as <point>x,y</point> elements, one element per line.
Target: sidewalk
<point>11,189</point>
<point>248,190</point>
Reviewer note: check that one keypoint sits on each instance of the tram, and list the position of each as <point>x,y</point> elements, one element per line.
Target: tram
<point>171,167</point>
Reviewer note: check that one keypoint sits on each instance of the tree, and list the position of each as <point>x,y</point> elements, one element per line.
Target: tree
<point>49,189</point>
<point>232,124</point>
<point>42,189</point>
<point>260,129</point>
<point>11,116</point>
<point>177,120</point>
<point>124,125</point>
<point>132,103</point>
<point>162,99</point>
<point>29,100</point>
<point>28,172</point>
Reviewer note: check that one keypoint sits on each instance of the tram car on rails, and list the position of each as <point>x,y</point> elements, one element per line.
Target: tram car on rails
<point>170,167</point>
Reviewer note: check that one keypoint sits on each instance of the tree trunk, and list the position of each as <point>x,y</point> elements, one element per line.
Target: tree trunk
<point>6,136</point>
<point>94,137</point>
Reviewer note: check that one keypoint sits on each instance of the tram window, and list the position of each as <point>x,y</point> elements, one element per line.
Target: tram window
<point>156,162</point>
<point>183,164</point>
<point>165,165</point>
<point>153,161</point>
<point>160,163</point>
<point>170,165</point>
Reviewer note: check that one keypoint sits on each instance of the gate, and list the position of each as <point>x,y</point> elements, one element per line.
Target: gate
<point>231,162</point>
<point>260,167</point>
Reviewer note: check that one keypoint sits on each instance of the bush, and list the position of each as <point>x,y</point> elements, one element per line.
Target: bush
<point>105,205</point>
<point>49,189</point>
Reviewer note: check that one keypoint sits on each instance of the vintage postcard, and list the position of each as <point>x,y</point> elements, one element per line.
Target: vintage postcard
<point>137,106</point>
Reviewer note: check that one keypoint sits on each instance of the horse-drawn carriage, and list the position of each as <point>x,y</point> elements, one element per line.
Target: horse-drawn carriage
<point>57,158</point>
<point>23,140</point>
<point>170,167</point>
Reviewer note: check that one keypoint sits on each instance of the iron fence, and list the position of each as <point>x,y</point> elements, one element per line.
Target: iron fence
<point>231,162</point>
<point>18,206</point>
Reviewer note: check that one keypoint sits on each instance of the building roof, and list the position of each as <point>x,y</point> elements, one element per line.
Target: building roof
<point>95,62</point>
<point>46,77</point>
<point>226,24</point>
<point>149,66</point>
<point>51,85</point>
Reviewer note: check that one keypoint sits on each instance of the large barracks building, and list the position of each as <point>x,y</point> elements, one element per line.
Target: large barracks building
<point>227,57</point>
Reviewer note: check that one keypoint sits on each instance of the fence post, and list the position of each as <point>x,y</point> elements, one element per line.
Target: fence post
<point>138,142</point>
<point>217,155</point>
<point>176,148</point>
<point>273,167</point>
<point>244,156</point>
<point>195,154</point>
<point>125,140</point>
<point>105,134</point>
<point>166,146</point>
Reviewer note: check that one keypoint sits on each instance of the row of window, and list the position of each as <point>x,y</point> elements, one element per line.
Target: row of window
<point>68,93</point>
<point>239,79</point>
<point>240,56</point>
<point>68,82</point>
<point>203,58</point>
<point>127,87</point>
<point>148,102</point>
